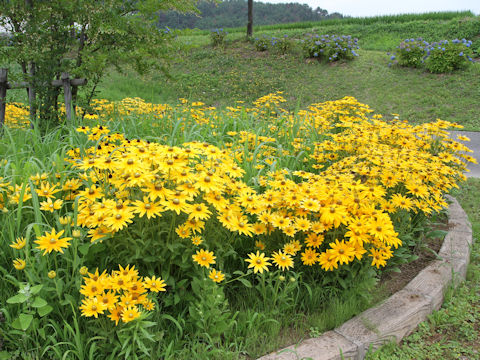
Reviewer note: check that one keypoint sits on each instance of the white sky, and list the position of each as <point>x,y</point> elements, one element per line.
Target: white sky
<point>387,7</point>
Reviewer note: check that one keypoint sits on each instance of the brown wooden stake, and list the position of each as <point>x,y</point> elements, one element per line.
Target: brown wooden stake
<point>32,96</point>
<point>67,92</point>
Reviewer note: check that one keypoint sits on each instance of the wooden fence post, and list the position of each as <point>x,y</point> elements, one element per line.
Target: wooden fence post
<point>67,92</point>
<point>3,94</point>
<point>32,96</point>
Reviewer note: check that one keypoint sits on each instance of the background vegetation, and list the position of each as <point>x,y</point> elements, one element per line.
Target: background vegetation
<point>233,13</point>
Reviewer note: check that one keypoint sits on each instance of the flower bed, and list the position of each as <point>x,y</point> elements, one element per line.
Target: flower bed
<point>191,214</point>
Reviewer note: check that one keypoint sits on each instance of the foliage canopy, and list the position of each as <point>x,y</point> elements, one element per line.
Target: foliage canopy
<point>83,38</point>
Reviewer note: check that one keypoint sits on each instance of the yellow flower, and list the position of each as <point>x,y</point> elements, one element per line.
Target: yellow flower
<point>19,264</point>
<point>377,258</point>
<point>341,252</point>
<point>52,241</point>
<point>309,257</point>
<point>196,240</point>
<point>204,258</point>
<point>65,220</point>
<point>258,262</point>
<point>130,313</point>
<point>92,307</point>
<point>282,260</point>
<point>83,270</point>
<point>51,206</point>
<point>216,276</point>
<point>19,243</point>
<point>52,274</point>
<point>154,284</point>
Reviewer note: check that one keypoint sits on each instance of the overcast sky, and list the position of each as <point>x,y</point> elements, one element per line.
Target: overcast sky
<point>385,7</point>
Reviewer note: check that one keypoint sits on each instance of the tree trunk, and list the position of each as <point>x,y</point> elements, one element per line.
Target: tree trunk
<point>250,19</point>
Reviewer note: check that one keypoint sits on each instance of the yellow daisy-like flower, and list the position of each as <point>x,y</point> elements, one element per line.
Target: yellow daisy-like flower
<point>92,307</point>
<point>258,262</point>
<point>260,245</point>
<point>115,314</point>
<point>19,264</point>
<point>216,276</point>
<point>148,305</point>
<point>130,313</point>
<point>53,241</point>
<point>154,284</point>
<point>19,243</point>
<point>309,257</point>
<point>50,205</point>
<point>204,258</point>
<point>282,260</point>
<point>341,252</point>
<point>196,240</point>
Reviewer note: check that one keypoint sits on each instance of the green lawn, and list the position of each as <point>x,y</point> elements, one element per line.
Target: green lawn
<point>219,77</point>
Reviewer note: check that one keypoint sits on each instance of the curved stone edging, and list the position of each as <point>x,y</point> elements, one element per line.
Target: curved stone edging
<point>401,313</point>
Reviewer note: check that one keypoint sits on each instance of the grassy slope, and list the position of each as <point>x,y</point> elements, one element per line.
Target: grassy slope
<point>453,332</point>
<point>220,77</point>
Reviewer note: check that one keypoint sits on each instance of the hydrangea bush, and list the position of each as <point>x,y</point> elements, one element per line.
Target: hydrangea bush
<point>330,47</point>
<point>218,37</point>
<point>437,57</point>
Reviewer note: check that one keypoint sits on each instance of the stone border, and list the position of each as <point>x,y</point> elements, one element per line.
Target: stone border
<point>401,313</point>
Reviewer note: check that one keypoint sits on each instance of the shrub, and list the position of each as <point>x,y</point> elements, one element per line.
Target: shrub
<point>282,45</point>
<point>218,37</point>
<point>447,56</point>
<point>411,52</point>
<point>438,57</point>
<point>330,47</point>
<point>261,44</point>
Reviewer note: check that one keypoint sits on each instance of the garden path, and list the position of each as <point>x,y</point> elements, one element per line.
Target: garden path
<point>473,144</point>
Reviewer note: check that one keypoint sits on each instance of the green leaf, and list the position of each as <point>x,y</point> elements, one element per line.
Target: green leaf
<point>84,249</point>
<point>44,310</point>
<point>245,282</point>
<point>436,234</point>
<point>36,289</point>
<point>22,322</point>
<point>4,355</point>
<point>38,302</point>
<point>17,299</point>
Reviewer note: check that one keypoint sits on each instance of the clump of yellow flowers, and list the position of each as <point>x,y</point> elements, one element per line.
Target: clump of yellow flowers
<point>321,187</point>
<point>122,293</point>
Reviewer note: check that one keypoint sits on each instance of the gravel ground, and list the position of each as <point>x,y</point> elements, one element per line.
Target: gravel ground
<point>473,144</point>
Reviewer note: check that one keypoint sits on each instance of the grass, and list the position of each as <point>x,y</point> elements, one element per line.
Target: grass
<point>453,332</point>
<point>219,77</point>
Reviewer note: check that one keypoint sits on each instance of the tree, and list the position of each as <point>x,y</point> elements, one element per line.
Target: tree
<point>83,38</point>
<point>250,18</point>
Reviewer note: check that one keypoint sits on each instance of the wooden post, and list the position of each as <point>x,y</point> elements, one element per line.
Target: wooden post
<point>67,92</point>
<point>250,19</point>
<point>32,96</point>
<point>3,94</point>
